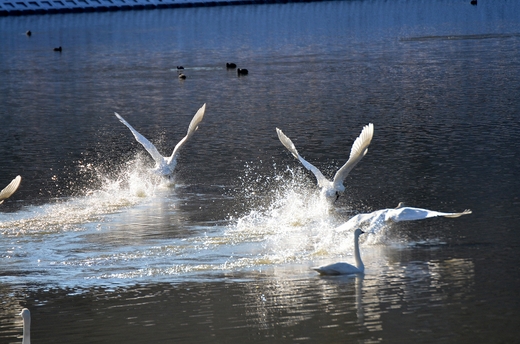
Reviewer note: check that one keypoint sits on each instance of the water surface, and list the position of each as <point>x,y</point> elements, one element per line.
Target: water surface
<point>102,251</point>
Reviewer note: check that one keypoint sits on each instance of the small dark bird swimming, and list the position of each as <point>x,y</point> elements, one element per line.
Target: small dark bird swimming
<point>242,71</point>
<point>58,49</point>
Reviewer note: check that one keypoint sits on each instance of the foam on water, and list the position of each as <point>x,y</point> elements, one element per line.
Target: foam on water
<point>105,193</point>
<point>284,221</point>
<point>294,224</point>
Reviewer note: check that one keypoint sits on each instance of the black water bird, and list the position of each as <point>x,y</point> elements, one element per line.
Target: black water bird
<point>231,65</point>
<point>182,76</point>
<point>28,33</point>
<point>57,49</point>
<point>473,2</point>
<point>242,71</point>
<point>180,67</point>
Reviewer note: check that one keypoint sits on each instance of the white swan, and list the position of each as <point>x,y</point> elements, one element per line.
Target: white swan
<point>332,189</point>
<point>26,316</point>
<point>378,218</point>
<point>165,165</point>
<point>345,268</point>
<point>10,189</point>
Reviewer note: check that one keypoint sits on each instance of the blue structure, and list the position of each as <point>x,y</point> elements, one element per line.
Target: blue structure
<point>24,7</point>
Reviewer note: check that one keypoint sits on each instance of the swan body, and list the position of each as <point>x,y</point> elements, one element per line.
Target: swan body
<point>165,165</point>
<point>345,268</point>
<point>26,316</point>
<point>332,189</point>
<point>377,218</point>
<point>10,189</point>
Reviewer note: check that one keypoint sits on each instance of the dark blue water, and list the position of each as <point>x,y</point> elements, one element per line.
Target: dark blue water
<point>102,251</point>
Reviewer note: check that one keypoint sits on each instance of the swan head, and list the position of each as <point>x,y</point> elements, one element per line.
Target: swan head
<point>358,232</point>
<point>25,314</point>
<point>400,205</point>
<point>330,191</point>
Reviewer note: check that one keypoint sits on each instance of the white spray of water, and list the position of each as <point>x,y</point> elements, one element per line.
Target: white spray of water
<point>105,194</point>
<point>293,224</point>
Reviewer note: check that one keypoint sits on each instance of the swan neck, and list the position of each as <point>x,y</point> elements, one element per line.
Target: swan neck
<point>26,331</point>
<point>357,255</point>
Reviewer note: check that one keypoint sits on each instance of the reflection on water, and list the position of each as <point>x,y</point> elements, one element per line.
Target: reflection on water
<point>264,307</point>
<point>100,250</point>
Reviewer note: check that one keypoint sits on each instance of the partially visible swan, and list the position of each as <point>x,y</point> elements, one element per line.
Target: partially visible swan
<point>26,316</point>
<point>345,268</point>
<point>378,218</point>
<point>165,165</point>
<point>10,189</point>
<point>332,189</point>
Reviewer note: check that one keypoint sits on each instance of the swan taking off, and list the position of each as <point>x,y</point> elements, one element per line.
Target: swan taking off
<point>378,218</point>
<point>26,316</point>
<point>10,189</point>
<point>165,165</point>
<point>345,268</point>
<point>332,189</point>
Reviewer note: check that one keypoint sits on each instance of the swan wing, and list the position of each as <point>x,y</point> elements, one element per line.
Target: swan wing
<point>356,221</point>
<point>368,221</point>
<point>411,214</point>
<point>194,125</point>
<point>357,152</point>
<point>290,146</point>
<point>10,189</point>
<point>337,269</point>
<point>150,148</point>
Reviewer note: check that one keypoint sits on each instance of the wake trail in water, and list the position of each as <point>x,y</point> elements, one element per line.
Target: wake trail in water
<point>284,220</point>
<point>294,222</point>
<point>103,193</point>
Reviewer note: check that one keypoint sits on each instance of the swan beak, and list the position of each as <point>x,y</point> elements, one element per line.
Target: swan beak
<point>337,196</point>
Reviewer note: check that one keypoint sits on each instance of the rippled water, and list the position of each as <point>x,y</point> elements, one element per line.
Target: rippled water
<point>102,251</point>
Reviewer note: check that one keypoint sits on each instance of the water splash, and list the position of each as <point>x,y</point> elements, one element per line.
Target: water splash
<point>289,221</point>
<point>103,193</point>
<point>284,221</point>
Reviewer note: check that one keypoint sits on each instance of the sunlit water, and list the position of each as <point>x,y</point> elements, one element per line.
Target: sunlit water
<point>103,251</point>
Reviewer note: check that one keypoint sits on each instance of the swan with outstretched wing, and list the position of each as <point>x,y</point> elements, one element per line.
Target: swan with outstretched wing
<point>332,189</point>
<point>165,165</point>
<point>371,222</point>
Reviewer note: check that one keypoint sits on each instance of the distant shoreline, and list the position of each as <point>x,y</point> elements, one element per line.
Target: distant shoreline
<point>27,7</point>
